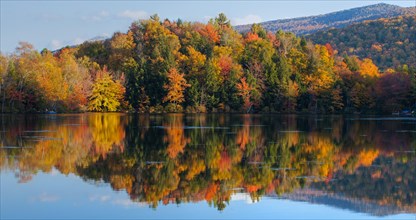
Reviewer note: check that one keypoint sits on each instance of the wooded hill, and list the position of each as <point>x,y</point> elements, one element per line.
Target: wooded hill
<point>388,42</point>
<point>312,24</point>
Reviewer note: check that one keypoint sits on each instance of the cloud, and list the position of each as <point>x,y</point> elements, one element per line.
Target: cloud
<point>48,198</point>
<point>49,17</point>
<point>123,202</point>
<point>78,41</point>
<point>134,14</point>
<point>55,44</point>
<point>104,198</point>
<point>242,197</point>
<point>101,198</point>
<point>207,18</point>
<point>128,203</point>
<point>104,14</point>
<point>97,17</point>
<point>249,19</point>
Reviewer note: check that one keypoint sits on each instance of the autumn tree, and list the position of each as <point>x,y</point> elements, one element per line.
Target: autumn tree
<point>159,49</point>
<point>361,97</point>
<point>258,60</point>
<point>292,96</point>
<point>393,90</point>
<point>222,20</point>
<point>367,68</point>
<point>4,62</point>
<point>193,64</point>
<point>123,62</point>
<point>78,79</point>
<point>107,94</point>
<point>51,80</point>
<point>23,94</point>
<point>121,51</point>
<point>97,51</point>
<point>230,73</point>
<point>176,86</point>
<point>244,90</point>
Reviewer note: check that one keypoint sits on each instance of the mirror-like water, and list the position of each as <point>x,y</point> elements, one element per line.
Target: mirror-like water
<point>207,166</point>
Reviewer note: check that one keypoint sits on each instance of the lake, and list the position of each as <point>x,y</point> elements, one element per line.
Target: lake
<point>204,166</point>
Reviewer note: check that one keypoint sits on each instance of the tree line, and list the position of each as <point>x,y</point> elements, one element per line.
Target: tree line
<point>177,66</point>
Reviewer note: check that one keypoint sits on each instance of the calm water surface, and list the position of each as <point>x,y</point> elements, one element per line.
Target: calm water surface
<point>207,166</point>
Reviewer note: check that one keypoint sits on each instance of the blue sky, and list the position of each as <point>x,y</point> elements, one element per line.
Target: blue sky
<point>53,24</point>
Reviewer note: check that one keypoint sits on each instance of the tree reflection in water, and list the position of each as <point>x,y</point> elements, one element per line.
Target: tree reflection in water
<point>189,158</point>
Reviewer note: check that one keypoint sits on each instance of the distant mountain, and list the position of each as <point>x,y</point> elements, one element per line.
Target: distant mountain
<point>389,42</point>
<point>312,24</point>
<point>98,38</point>
<point>342,201</point>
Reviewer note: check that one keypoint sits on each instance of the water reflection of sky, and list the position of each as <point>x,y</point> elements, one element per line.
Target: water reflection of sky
<point>56,196</point>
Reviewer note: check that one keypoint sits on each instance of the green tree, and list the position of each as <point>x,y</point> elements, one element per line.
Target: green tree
<point>159,49</point>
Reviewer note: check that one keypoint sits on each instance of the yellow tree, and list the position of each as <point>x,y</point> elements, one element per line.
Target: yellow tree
<point>194,62</point>
<point>78,79</point>
<point>321,78</point>
<point>107,94</point>
<point>3,67</point>
<point>367,68</point>
<point>50,79</point>
<point>176,87</point>
<point>292,93</point>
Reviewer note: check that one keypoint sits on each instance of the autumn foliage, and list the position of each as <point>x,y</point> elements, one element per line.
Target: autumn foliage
<point>176,87</point>
<point>107,94</point>
<point>176,66</point>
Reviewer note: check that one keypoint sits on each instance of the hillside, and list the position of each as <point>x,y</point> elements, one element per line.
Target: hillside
<point>312,24</point>
<point>388,42</point>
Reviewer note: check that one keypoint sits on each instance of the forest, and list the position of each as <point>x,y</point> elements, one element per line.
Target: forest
<point>388,42</point>
<point>161,66</point>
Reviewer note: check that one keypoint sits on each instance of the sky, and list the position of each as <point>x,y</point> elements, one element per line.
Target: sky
<point>54,24</point>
